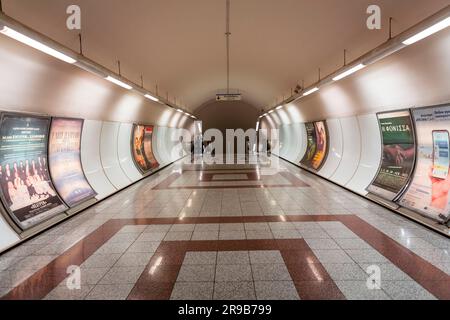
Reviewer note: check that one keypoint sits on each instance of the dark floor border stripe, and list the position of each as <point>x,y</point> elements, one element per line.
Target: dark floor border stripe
<point>294,183</point>
<point>160,275</point>
<point>46,279</point>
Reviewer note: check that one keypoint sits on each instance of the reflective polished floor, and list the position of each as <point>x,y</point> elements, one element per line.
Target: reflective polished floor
<point>266,231</point>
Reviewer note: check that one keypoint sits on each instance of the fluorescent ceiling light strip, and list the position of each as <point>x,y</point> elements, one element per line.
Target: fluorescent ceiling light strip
<point>119,83</point>
<point>179,110</point>
<point>349,72</point>
<point>271,111</point>
<point>428,32</point>
<point>148,96</point>
<point>36,45</point>
<point>307,93</point>
<point>279,107</point>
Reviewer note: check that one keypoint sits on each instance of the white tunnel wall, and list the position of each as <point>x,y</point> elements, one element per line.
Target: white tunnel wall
<point>162,147</point>
<point>298,143</point>
<point>351,151</point>
<point>124,152</point>
<point>32,81</point>
<point>8,237</point>
<point>291,146</point>
<point>303,142</point>
<point>335,149</point>
<point>354,150</point>
<point>285,141</point>
<point>155,145</point>
<point>370,154</point>
<point>176,149</point>
<point>292,142</point>
<point>91,160</point>
<point>109,155</point>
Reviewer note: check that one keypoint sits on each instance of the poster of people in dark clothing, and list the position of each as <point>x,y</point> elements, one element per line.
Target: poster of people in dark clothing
<point>26,189</point>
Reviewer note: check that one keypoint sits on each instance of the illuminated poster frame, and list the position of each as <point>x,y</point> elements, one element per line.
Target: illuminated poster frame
<point>24,143</point>
<point>395,148</point>
<point>314,158</point>
<point>142,149</point>
<point>428,194</point>
<point>321,155</point>
<point>311,145</point>
<point>69,180</point>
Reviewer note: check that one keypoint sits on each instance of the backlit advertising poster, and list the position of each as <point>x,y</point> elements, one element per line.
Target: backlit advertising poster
<point>65,161</point>
<point>399,151</point>
<point>311,145</point>
<point>317,145</point>
<point>26,189</point>
<point>322,145</point>
<point>428,192</point>
<point>142,148</point>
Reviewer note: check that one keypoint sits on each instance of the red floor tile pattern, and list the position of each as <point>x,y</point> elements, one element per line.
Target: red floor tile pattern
<point>294,252</point>
<point>305,270</point>
<point>252,176</point>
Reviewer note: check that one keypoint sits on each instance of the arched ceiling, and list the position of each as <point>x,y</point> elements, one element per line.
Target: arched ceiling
<point>180,44</point>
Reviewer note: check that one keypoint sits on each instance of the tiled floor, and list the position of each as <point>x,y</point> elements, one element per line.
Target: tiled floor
<point>231,232</point>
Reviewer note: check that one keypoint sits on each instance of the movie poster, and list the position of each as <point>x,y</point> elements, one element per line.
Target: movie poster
<point>65,161</point>
<point>399,151</point>
<point>26,189</point>
<point>428,192</point>
<point>142,148</point>
<point>311,145</point>
<point>322,145</point>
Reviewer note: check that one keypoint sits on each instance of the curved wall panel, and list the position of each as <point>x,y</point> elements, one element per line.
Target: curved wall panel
<point>162,145</point>
<point>90,158</point>
<point>7,235</point>
<point>335,149</point>
<point>303,142</point>
<point>285,141</point>
<point>124,152</point>
<point>176,151</point>
<point>109,155</point>
<point>155,145</point>
<point>351,151</point>
<point>293,143</point>
<point>370,154</point>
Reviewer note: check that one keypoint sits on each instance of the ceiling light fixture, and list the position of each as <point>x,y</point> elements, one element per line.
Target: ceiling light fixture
<point>36,45</point>
<point>179,110</point>
<point>428,32</point>
<point>119,83</point>
<point>148,96</point>
<point>311,91</point>
<point>279,107</point>
<point>271,111</point>
<point>349,72</point>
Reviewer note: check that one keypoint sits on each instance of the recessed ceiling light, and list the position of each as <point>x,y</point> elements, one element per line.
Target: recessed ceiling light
<point>348,72</point>
<point>148,96</point>
<point>428,32</point>
<point>36,45</point>
<point>311,91</point>
<point>119,83</point>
